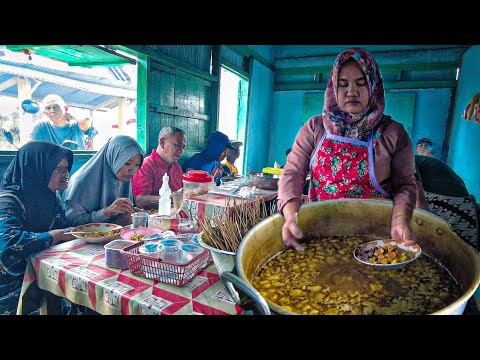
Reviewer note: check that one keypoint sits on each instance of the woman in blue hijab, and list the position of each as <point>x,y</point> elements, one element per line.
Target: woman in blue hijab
<point>209,159</point>
<point>31,218</point>
<point>101,190</point>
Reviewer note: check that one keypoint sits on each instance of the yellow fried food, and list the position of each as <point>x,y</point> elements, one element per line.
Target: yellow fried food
<point>389,254</point>
<point>98,234</point>
<point>323,280</point>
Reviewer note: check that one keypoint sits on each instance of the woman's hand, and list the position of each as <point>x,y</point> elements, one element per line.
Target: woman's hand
<point>290,233</point>
<point>401,229</point>
<point>123,220</point>
<point>59,235</point>
<point>120,206</point>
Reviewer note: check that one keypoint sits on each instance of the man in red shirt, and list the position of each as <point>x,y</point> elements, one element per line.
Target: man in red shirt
<point>164,159</point>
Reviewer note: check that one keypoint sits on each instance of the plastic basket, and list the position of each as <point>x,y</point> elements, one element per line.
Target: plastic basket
<point>163,271</point>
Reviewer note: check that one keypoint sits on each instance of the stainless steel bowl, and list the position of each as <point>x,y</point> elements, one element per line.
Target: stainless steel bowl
<point>263,180</point>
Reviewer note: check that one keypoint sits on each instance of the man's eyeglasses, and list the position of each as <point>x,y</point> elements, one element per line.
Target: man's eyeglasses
<point>52,107</point>
<point>177,146</point>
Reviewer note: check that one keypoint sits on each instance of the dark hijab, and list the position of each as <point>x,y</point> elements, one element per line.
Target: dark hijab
<point>27,177</point>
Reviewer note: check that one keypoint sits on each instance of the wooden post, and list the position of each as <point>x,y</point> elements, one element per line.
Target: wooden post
<point>26,119</point>
<point>121,113</point>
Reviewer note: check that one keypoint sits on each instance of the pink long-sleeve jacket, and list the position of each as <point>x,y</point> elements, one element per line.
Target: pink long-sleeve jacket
<point>394,163</point>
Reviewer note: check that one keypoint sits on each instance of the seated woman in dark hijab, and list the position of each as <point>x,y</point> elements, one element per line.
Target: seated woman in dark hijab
<point>31,218</point>
<point>101,190</point>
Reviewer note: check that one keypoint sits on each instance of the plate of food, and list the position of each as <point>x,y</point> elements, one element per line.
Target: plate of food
<point>138,234</point>
<point>96,232</point>
<point>387,254</point>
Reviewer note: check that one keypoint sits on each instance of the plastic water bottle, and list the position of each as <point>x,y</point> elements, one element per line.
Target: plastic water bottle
<point>164,201</point>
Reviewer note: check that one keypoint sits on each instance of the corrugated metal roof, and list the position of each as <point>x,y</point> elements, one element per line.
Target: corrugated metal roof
<point>76,55</point>
<point>101,80</point>
<point>77,89</point>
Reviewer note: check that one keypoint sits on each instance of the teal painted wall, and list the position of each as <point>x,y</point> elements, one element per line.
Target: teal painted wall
<point>266,51</point>
<point>464,154</point>
<point>286,122</point>
<point>431,113</point>
<point>259,116</point>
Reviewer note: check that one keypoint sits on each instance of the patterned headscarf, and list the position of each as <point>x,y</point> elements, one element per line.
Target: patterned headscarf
<point>359,126</point>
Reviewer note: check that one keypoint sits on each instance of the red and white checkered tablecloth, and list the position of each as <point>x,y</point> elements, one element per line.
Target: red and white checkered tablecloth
<point>76,270</point>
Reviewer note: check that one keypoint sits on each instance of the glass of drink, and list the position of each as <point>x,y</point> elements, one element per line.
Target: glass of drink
<point>139,219</point>
<point>177,197</point>
<point>171,252</point>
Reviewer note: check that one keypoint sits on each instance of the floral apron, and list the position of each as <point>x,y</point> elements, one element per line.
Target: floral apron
<point>343,167</point>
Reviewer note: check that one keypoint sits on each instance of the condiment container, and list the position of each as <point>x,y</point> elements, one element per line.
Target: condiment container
<point>196,182</point>
<point>113,257</point>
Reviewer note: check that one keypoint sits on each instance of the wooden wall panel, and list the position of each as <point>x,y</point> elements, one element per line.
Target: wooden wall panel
<point>181,93</point>
<point>167,89</point>
<point>192,131</point>
<point>154,82</point>
<point>181,100</point>
<point>194,96</point>
<point>204,129</point>
<point>167,120</point>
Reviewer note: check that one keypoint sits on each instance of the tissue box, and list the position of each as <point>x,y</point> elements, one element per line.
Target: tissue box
<point>176,224</point>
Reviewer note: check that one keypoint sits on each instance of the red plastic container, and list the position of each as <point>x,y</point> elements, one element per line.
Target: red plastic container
<point>196,182</point>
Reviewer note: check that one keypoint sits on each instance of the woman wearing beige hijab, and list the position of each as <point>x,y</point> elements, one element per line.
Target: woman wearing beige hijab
<point>101,190</point>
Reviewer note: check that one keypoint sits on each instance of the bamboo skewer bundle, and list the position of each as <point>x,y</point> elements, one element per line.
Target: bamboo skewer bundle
<point>226,230</point>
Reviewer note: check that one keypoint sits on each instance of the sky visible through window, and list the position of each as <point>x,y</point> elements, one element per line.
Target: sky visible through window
<point>19,123</point>
<point>229,109</point>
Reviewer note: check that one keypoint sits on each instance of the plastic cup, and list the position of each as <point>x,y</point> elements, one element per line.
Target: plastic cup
<point>152,249</point>
<point>139,219</point>
<point>189,251</point>
<point>177,197</point>
<point>171,250</point>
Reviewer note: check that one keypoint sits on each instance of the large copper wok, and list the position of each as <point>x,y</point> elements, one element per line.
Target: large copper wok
<point>354,217</point>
